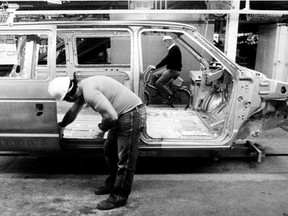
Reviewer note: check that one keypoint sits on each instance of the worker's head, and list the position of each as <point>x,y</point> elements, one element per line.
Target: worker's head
<point>167,40</point>
<point>61,88</point>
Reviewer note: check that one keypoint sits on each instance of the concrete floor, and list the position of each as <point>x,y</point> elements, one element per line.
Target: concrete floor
<point>162,186</point>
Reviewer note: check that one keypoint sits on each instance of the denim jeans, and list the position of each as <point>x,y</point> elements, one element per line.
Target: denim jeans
<point>121,151</point>
<point>161,78</point>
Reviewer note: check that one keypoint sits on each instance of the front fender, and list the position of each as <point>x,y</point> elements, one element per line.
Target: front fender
<point>273,115</point>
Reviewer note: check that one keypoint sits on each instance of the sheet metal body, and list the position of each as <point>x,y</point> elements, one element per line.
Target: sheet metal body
<point>231,101</point>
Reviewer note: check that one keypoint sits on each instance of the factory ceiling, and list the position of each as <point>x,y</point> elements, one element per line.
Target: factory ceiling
<point>124,4</point>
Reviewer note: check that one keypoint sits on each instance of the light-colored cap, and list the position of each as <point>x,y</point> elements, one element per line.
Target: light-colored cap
<point>59,87</point>
<point>167,38</point>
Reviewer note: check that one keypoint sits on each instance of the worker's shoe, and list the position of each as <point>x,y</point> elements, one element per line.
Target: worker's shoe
<point>171,99</point>
<point>108,186</point>
<point>167,100</point>
<point>107,205</point>
<point>102,190</point>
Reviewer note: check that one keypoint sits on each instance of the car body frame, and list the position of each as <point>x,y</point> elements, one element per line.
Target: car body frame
<point>229,102</point>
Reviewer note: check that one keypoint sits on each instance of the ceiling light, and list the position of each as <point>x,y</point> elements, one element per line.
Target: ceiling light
<point>54,1</point>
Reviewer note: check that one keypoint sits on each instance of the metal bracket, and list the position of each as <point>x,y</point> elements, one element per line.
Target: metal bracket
<point>259,152</point>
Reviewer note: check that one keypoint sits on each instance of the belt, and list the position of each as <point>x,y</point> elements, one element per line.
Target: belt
<point>140,106</point>
<point>135,108</point>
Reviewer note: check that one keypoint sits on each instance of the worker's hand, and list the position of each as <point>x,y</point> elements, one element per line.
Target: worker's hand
<point>98,133</point>
<point>61,130</point>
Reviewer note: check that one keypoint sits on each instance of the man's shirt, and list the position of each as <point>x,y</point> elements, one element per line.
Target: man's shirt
<point>97,89</point>
<point>173,60</point>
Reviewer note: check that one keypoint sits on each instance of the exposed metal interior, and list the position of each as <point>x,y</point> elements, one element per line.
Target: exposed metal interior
<point>163,122</point>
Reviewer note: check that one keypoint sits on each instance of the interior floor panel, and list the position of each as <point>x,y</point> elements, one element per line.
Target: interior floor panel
<point>162,122</point>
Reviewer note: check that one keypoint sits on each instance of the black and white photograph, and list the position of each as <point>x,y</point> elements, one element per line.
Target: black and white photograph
<point>144,108</point>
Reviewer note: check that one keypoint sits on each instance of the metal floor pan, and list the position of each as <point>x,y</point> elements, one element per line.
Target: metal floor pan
<point>162,122</point>
<point>171,123</point>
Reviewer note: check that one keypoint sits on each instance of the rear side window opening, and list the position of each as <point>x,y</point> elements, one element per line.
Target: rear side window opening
<point>19,55</point>
<point>60,51</point>
<point>104,50</point>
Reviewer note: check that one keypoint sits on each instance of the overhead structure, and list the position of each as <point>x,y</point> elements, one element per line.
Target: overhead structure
<point>15,11</point>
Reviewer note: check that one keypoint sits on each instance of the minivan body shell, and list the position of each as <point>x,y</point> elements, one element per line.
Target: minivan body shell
<point>229,102</point>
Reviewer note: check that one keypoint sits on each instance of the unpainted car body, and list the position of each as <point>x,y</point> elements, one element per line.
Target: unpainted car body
<point>229,102</point>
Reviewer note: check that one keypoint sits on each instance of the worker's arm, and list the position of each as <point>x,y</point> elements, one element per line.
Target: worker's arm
<point>109,119</point>
<point>109,115</point>
<point>72,113</point>
<point>97,101</point>
<point>162,63</point>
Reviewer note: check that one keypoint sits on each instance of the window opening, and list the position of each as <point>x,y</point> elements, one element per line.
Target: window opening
<point>113,51</point>
<point>60,51</point>
<point>19,55</point>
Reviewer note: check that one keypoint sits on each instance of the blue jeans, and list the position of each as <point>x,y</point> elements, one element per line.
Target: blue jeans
<point>121,151</point>
<point>161,78</point>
